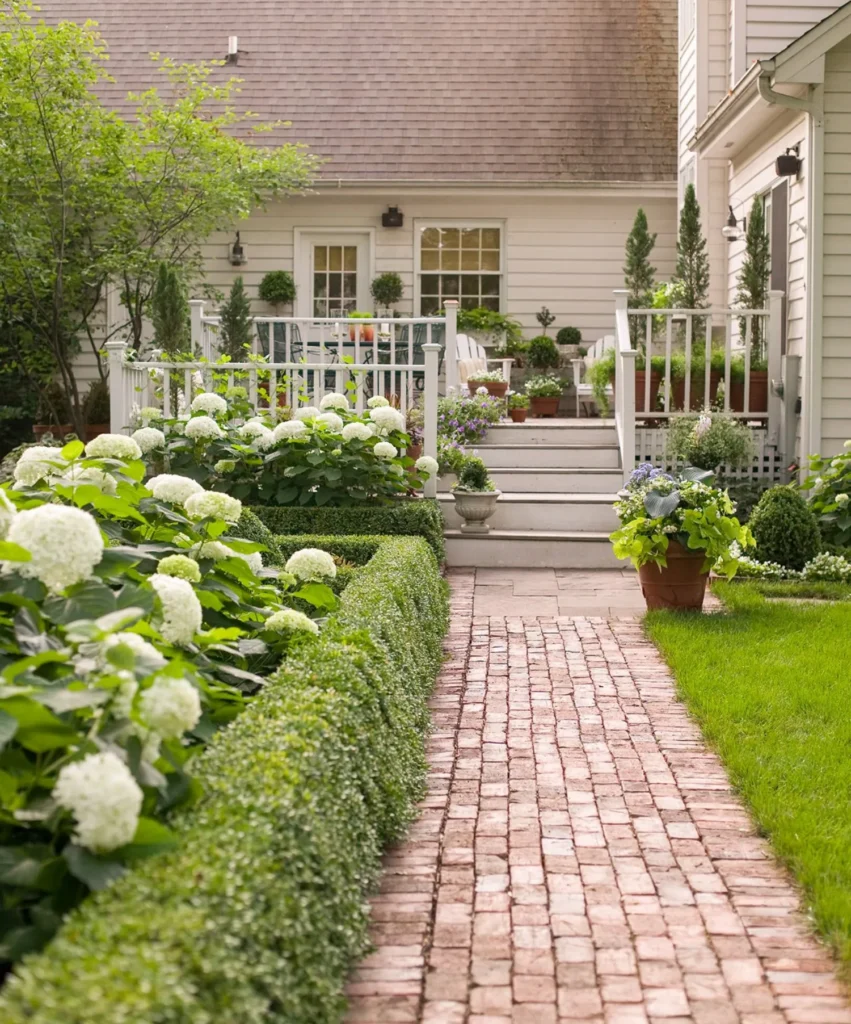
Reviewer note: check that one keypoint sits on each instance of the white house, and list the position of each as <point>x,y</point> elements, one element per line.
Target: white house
<point>761,80</point>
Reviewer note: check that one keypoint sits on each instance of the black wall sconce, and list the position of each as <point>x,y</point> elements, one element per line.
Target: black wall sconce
<point>236,253</point>
<point>788,165</point>
<point>394,218</point>
<point>731,230</point>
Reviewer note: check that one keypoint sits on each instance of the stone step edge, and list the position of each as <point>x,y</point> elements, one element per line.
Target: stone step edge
<point>545,498</point>
<point>571,536</point>
<point>550,446</point>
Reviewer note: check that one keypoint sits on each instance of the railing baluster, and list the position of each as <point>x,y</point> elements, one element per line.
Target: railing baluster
<point>728,358</point>
<point>252,387</point>
<point>687,381</point>
<point>166,377</point>
<point>707,371</point>
<point>648,361</point>
<point>669,330</point>
<point>747,354</point>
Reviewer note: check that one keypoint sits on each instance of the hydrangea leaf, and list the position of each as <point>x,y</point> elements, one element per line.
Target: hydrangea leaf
<point>96,872</point>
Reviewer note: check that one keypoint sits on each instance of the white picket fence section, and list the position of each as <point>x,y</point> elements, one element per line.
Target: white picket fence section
<point>295,362</point>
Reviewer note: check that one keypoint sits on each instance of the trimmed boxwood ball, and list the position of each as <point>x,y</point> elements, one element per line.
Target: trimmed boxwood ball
<point>261,909</point>
<point>543,353</point>
<point>277,288</point>
<point>785,528</point>
<point>569,336</point>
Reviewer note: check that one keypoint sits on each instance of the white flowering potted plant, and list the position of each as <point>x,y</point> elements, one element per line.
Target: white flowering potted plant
<point>829,484</point>
<point>134,622</point>
<point>518,406</point>
<point>475,495</point>
<point>675,531</point>
<point>544,393</point>
<point>492,381</point>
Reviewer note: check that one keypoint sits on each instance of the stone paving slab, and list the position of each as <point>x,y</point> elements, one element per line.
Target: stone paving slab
<point>581,855</point>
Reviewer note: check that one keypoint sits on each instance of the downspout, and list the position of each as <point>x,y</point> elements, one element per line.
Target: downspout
<point>813,105</point>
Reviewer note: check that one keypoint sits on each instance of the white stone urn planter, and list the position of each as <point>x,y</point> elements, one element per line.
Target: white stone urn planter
<point>475,507</point>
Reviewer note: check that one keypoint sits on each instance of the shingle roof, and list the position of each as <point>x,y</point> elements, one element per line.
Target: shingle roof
<point>460,90</point>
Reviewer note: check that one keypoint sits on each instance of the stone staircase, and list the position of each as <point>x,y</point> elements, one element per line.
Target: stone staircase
<point>558,480</point>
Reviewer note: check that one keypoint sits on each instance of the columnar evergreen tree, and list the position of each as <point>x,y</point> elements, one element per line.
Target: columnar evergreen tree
<point>638,272</point>
<point>169,312</point>
<point>753,277</point>
<point>692,271</point>
<point>236,326</point>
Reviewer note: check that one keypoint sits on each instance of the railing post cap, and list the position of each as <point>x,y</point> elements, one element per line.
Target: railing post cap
<point>115,343</point>
<point>451,302</point>
<point>196,302</point>
<point>431,346</point>
<point>629,353</point>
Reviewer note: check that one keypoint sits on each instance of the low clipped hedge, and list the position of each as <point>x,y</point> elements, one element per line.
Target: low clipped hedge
<point>420,517</point>
<point>354,549</point>
<point>256,916</point>
<point>250,528</point>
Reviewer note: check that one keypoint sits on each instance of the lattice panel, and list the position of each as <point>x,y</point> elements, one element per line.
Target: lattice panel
<point>651,442</point>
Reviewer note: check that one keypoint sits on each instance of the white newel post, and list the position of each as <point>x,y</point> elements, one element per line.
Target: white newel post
<point>627,410</point>
<point>432,363</point>
<point>775,366</point>
<point>119,410</point>
<point>451,358</point>
<point>197,332</point>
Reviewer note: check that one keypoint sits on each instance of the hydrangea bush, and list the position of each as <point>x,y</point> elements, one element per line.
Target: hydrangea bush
<point>829,484</point>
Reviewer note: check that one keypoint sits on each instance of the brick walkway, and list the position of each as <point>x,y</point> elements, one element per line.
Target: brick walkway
<point>580,855</point>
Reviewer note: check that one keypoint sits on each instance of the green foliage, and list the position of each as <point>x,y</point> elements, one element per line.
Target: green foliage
<point>277,288</point>
<point>692,273</point>
<point>753,277</point>
<point>543,353</point>
<point>544,386</point>
<point>96,403</point>
<point>600,375</point>
<point>545,318</point>
<point>709,441</point>
<point>301,794</point>
<point>488,322</point>
<point>517,401</point>
<point>237,329</point>
<point>387,289</point>
<point>251,528</point>
<point>352,548</point>
<point>473,476</point>
<point>638,271</point>
<point>769,686</point>
<point>402,518</point>
<point>829,484</point>
<point>569,336</point>
<point>785,528</point>
<point>169,312</point>
<point>464,418</point>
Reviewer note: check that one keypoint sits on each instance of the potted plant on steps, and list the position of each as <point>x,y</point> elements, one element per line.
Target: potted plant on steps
<point>518,406</point>
<point>491,380</point>
<point>475,495</point>
<point>675,532</point>
<point>387,290</point>
<point>544,394</point>
<point>601,376</point>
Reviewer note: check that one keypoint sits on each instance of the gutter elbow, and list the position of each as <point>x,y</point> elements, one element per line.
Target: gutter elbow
<point>779,99</point>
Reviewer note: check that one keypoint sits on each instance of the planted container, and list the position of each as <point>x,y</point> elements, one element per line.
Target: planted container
<point>475,508</point>
<point>495,388</point>
<point>518,415</point>
<point>680,585</point>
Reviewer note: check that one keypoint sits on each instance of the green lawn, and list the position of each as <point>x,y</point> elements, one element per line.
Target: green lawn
<point>770,684</point>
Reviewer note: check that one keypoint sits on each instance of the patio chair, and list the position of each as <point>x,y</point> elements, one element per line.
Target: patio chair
<point>584,391</point>
<point>472,359</point>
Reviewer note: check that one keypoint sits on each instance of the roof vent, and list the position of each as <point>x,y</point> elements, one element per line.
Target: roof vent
<point>233,50</point>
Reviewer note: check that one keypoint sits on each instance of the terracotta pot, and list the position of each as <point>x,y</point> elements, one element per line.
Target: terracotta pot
<point>40,429</point>
<point>496,388</point>
<point>263,389</point>
<point>758,398</point>
<point>544,407</point>
<point>414,451</point>
<point>475,507</point>
<point>680,585</point>
<point>655,381</point>
<point>518,415</point>
<point>94,430</point>
<point>367,332</point>
<point>696,393</point>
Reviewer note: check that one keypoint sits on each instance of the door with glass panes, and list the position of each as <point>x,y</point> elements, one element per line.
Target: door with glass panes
<point>334,278</point>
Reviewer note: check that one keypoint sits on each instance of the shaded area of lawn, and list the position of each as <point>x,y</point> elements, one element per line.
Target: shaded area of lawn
<point>770,684</point>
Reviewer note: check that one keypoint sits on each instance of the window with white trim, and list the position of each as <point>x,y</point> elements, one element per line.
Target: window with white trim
<point>687,19</point>
<point>460,261</point>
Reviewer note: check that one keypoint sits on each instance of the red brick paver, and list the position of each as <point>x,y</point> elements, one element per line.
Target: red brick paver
<point>581,855</point>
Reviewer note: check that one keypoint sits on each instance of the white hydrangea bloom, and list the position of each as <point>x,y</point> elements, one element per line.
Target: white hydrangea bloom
<point>266,440</point>
<point>309,412</point>
<point>291,621</point>
<point>65,544</point>
<point>210,403</point>
<point>38,463</point>
<point>150,414</point>
<point>7,513</point>
<point>225,466</point>
<point>378,402</point>
<point>385,450</point>
<point>254,560</point>
<point>174,488</point>
<point>182,566</point>
<point>214,549</point>
<point>331,420</point>
<point>170,707</point>
<point>42,453</point>
<point>202,428</point>
<point>213,504</point>
<point>847,445</point>
<point>356,432</point>
<point>96,477</point>
<point>113,446</point>
<point>387,418</point>
<point>426,464</point>
<point>148,439</point>
<point>148,658</point>
<point>334,400</point>
<point>842,500</point>
<point>251,429</point>
<point>122,701</point>
<point>289,428</point>
<point>311,564</point>
<point>104,798</point>
<point>181,609</point>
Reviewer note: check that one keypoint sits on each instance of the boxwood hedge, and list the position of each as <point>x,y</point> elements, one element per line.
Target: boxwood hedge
<point>256,916</point>
<point>400,518</point>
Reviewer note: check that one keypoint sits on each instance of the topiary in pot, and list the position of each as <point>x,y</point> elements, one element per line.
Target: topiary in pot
<point>387,290</point>
<point>569,336</point>
<point>277,288</point>
<point>543,353</point>
<point>785,528</point>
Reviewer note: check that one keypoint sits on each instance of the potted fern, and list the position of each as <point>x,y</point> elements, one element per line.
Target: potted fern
<point>475,495</point>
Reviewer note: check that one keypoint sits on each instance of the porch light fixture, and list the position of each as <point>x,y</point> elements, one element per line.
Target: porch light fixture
<point>789,164</point>
<point>233,50</point>
<point>394,218</point>
<point>731,230</point>
<point>236,253</point>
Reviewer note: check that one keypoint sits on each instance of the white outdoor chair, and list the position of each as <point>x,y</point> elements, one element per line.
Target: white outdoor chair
<point>472,359</point>
<point>584,392</point>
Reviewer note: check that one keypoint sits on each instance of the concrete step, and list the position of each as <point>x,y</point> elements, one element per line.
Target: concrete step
<point>553,432</point>
<point>545,549</point>
<point>543,512</point>
<point>549,481</point>
<point>549,456</point>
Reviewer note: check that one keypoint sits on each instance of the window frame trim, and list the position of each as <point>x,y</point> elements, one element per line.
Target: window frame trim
<point>421,223</point>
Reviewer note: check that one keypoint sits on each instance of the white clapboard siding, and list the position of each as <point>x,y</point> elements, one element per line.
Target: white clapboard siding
<point>688,114</point>
<point>773,24</point>
<point>836,368</point>
<point>717,52</point>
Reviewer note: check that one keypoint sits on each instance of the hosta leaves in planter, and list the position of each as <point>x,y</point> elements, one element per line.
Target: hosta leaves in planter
<point>695,475</point>
<point>96,872</point>
<point>659,505</point>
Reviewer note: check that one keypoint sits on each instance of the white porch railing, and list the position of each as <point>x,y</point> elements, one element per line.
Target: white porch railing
<point>685,364</point>
<point>296,361</point>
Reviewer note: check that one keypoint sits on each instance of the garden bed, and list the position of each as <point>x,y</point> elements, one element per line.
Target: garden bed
<point>258,912</point>
<point>768,683</point>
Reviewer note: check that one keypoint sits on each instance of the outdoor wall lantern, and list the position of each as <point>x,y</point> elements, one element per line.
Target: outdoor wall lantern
<point>731,230</point>
<point>394,218</point>
<point>788,165</point>
<point>236,253</point>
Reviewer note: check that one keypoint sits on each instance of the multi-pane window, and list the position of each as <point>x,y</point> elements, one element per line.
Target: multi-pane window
<point>335,279</point>
<point>463,263</point>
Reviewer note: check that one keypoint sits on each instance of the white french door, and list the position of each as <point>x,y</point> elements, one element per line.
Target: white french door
<point>333,276</point>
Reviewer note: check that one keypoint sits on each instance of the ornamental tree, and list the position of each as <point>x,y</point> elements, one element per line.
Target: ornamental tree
<point>236,326</point>
<point>692,273</point>
<point>638,271</point>
<point>753,278</point>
